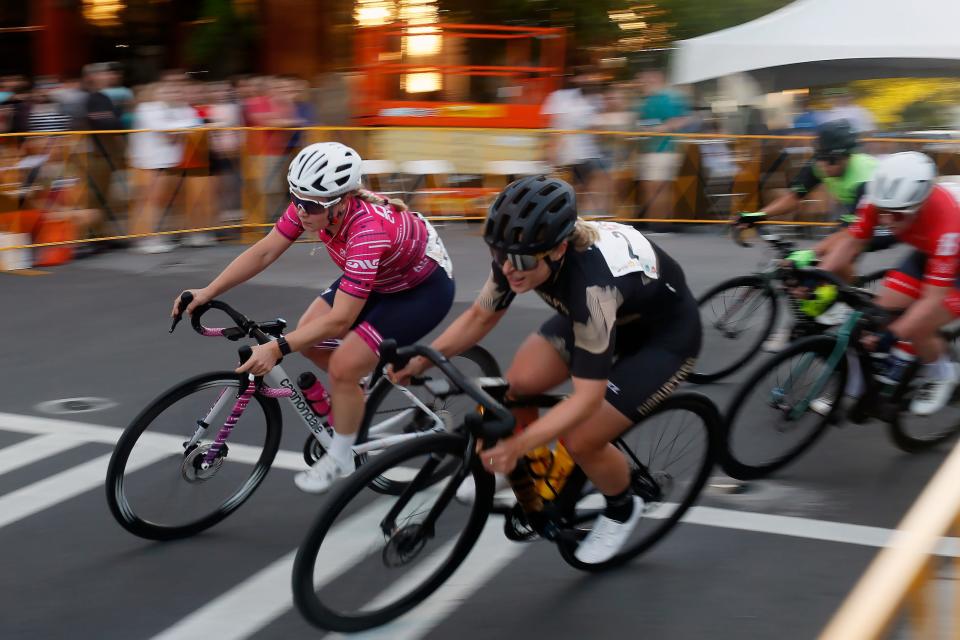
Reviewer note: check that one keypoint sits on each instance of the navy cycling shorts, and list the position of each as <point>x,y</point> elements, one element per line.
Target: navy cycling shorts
<point>405,316</point>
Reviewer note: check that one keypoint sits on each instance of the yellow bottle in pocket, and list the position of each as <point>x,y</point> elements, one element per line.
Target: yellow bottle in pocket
<point>550,469</point>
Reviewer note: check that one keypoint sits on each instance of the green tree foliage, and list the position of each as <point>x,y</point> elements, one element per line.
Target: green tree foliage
<point>222,43</point>
<point>693,18</point>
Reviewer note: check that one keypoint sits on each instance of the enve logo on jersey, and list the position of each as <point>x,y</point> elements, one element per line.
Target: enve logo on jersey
<point>948,244</point>
<point>363,264</point>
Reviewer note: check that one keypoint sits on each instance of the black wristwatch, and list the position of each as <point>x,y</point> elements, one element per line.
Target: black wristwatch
<point>284,347</point>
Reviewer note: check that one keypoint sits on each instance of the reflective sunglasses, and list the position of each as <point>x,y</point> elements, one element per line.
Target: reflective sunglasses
<point>519,261</point>
<point>309,207</point>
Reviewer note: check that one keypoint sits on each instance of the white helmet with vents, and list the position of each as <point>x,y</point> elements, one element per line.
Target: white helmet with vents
<point>902,182</point>
<point>324,170</point>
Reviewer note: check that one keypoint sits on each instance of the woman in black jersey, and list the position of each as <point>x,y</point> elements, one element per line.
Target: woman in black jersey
<point>626,331</point>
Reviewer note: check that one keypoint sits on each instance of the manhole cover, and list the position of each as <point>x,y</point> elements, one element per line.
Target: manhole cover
<point>75,405</point>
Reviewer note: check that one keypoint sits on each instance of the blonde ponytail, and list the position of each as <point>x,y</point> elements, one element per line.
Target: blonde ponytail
<point>584,235</point>
<point>373,198</point>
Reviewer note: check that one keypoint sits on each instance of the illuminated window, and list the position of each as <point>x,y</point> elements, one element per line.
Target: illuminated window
<point>422,82</point>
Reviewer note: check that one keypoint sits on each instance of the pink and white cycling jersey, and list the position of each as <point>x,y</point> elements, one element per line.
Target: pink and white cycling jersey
<point>377,247</point>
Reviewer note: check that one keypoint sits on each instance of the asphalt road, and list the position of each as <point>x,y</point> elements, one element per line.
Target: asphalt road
<point>774,559</point>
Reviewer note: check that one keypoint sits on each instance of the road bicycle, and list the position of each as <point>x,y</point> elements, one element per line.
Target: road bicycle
<point>787,403</point>
<point>407,545</point>
<point>738,315</point>
<point>216,435</point>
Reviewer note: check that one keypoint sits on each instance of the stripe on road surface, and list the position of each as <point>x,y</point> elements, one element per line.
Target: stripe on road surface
<point>35,449</point>
<point>54,489</point>
<point>491,553</point>
<point>257,601</point>
<point>707,516</point>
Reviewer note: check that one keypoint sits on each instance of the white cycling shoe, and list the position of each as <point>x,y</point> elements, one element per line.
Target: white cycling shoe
<point>321,476</point>
<point>935,394</point>
<point>608,536</point>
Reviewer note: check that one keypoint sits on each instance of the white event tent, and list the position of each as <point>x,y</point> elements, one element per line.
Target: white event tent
<point>820,42</point>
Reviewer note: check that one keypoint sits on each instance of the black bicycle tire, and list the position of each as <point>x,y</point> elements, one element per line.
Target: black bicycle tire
<point>710,415</point>
<point>903,440</point>
<point>304,594</point>
<point>701,377</point>
<point>822,345</point>
<point>477,354</point>
<point>116,500</point>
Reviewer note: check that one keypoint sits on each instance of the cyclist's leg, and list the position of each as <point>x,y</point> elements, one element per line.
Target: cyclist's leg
<point>320,354</point>
<point>405,317</point>
<point>638,383</point>
<point>541,363</point>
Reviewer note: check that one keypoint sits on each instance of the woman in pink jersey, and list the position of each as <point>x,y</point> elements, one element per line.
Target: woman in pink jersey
<point>397,283</point>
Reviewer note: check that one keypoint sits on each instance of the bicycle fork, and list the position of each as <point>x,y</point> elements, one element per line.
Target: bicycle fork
<point>242,400</point>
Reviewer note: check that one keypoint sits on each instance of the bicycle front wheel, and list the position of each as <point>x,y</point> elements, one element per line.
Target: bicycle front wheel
<point>737,316</point>
<point>783,408</point>
<point>368,558</point>
<point>671,453</point>
<point>159,490</point>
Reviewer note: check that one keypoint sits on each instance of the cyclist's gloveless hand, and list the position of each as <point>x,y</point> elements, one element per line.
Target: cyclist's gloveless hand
<point>415,367</point>
<point>200,296</point>
<point>501,458</point>
<point>264,358</point>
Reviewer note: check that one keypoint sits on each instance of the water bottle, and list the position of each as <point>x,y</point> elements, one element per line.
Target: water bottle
<point>525,489</point>
<point>315,393</point>
<point>550,469</point>
<point>898,361</point>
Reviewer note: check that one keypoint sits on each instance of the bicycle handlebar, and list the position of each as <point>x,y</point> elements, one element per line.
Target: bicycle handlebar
<point>502,422</point>
<point>859,299</point>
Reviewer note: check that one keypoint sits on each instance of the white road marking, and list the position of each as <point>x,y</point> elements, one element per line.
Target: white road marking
<point>35,449</point>
<point>491,553</point>
<point>54,489</point>
<point>255,602</point>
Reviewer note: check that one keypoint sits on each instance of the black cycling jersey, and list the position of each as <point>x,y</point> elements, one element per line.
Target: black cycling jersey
<point>619,293</point>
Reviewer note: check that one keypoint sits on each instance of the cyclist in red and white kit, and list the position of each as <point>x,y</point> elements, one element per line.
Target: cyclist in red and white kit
<point>904,196</point>
<point>397,283</point>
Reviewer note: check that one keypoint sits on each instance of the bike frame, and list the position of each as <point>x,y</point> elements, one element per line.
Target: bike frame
<point>279,386</point>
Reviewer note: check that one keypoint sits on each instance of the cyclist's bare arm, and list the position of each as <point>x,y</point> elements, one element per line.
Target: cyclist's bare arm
<point>248,264</point>
<point>783,205</point>
<point>587,397</point>
<point>468,329</point>
<point>333,324</point>
<point>842,254</point>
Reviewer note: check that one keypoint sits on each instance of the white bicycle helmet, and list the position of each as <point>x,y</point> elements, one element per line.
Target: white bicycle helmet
<point>902,182</point>
<point>324,170</point>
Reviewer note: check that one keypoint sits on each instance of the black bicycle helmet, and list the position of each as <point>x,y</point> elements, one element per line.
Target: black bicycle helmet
<point>532,215</point>
<point>835,138</point>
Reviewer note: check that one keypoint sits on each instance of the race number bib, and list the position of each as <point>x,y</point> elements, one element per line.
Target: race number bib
<point>626,250</point>
<point>435,249</point>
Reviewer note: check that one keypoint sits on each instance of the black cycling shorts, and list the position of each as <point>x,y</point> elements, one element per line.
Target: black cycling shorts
<point>647,365</point>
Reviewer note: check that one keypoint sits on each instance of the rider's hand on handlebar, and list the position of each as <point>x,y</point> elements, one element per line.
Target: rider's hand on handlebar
<point>749,220</point>
<point>200,296</point>
<point>264,358</point>
<point>415,367</point>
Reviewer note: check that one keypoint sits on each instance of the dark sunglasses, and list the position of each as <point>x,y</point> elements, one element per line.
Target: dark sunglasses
<point>519,261</point>
<point>830,158</point>
<point>312,207</point>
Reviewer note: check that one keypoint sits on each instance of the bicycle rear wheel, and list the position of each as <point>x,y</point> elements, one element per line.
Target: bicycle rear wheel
<point>390,412</point>
<point>913,433</point>
<point>737,316</point>
<point>157,490</point>
<point>367,558</point>
<point>768,425</point>
<point>671,453</point>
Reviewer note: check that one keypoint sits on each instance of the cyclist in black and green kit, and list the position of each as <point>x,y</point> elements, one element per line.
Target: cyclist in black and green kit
<point>845,175</point>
